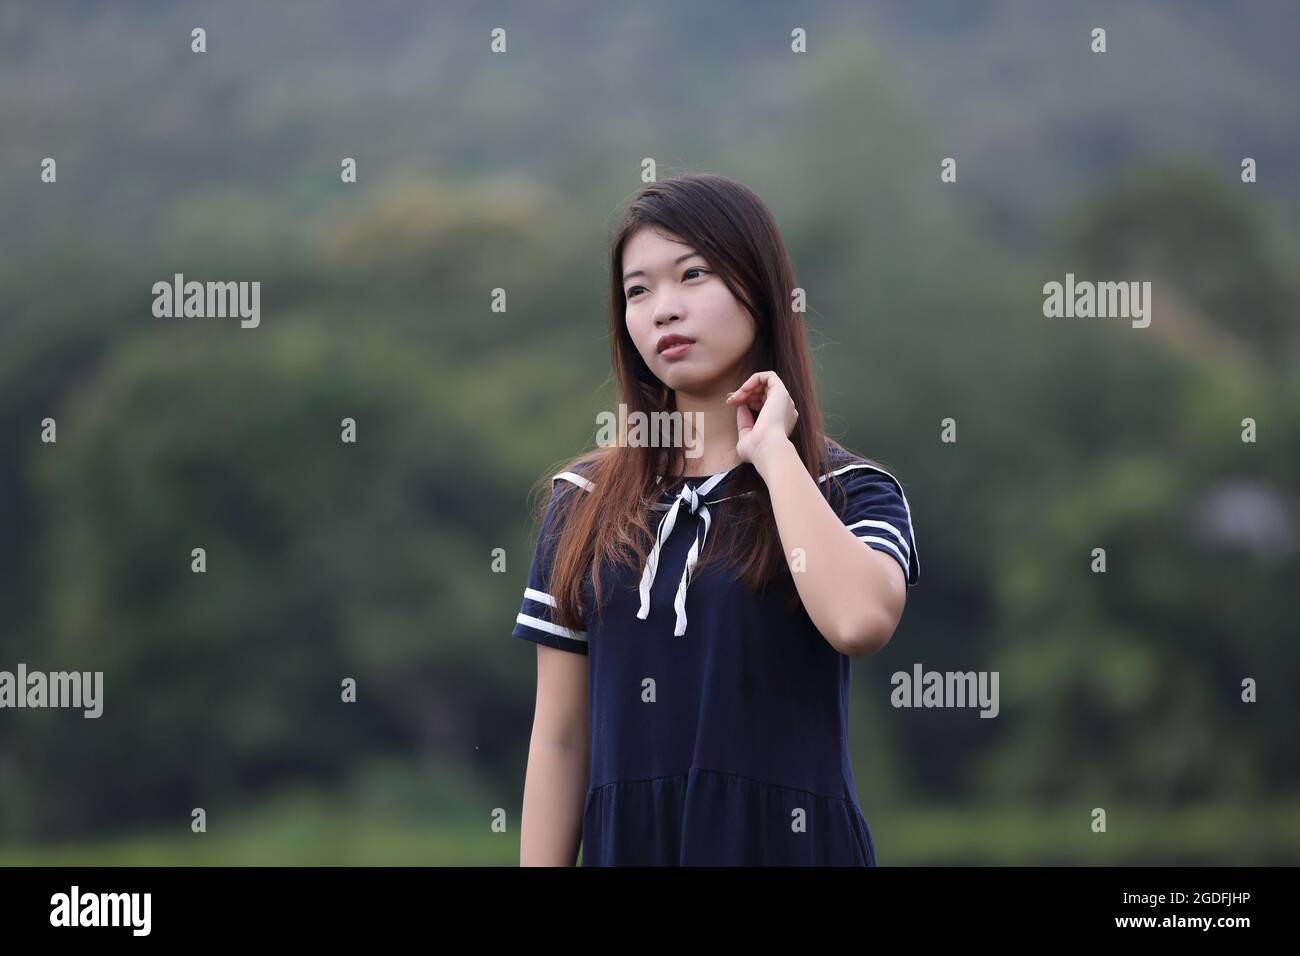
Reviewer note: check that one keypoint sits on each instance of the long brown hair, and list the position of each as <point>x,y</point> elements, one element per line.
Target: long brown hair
<point>732,228</point>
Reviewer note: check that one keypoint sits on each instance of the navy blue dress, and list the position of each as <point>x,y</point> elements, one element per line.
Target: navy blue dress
<point>718,719</point>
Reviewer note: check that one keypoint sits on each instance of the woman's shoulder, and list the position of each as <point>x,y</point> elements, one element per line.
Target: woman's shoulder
<point>584,470</point>
<point>872,502</point>
<point>581,470</point>
<point>842,461</point>
<point>849,470</point>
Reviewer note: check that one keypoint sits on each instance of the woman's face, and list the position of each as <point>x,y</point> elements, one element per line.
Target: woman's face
<point>669,289</point>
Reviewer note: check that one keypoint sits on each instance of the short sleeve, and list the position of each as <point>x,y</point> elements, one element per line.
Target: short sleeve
<point>534,622</point>
<point>875,509</point>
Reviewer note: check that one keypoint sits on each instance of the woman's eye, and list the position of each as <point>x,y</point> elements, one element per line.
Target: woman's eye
<point>631,293</point>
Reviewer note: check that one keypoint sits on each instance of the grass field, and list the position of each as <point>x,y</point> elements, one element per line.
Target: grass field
<point>307,830</point>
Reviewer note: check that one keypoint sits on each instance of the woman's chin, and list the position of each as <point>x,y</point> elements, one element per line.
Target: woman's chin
<point>695,380</point>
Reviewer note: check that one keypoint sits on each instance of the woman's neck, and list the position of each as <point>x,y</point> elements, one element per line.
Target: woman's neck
<point>713,446</point>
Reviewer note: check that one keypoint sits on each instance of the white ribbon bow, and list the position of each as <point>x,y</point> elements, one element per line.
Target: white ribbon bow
<point>695,505</point>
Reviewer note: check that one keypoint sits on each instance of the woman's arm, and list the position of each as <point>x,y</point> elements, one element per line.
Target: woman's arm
<point>854,594</point>
<point>555,784</point>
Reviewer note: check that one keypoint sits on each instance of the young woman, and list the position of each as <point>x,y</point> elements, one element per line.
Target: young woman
<point>692,696</point>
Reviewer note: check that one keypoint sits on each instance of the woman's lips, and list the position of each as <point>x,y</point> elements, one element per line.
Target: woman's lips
<point>676,351</point>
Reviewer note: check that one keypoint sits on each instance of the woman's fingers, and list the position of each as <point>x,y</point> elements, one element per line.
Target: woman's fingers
<point>753,398</point>
<point>749,382</point>
<point>755,386</point>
